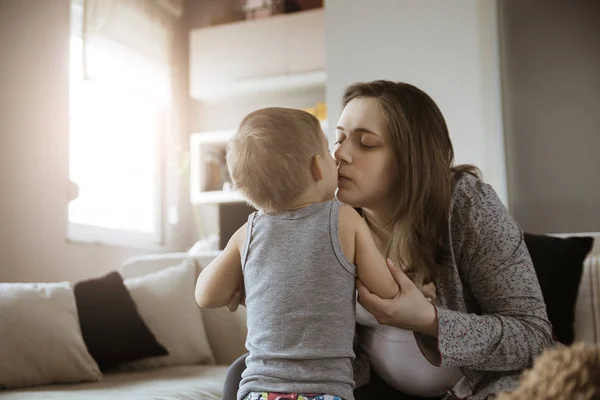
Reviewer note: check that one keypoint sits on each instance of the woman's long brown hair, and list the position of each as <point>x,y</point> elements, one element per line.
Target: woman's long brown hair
<point>424,160</point>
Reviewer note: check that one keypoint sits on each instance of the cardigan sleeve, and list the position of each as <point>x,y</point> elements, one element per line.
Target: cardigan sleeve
<point>511,326</point>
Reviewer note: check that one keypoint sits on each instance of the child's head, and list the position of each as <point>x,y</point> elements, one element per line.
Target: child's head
<point>279,155</point>
<point>561,373</point>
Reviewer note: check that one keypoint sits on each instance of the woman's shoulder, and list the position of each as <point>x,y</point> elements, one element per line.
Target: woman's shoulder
<point>466,186</point>
<point>471,191</point>
<point>475,207</point>
<point>478,218</point>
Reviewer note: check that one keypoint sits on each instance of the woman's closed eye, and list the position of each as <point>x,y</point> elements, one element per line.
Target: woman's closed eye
<point>367,146</point>
<point>368,143</point>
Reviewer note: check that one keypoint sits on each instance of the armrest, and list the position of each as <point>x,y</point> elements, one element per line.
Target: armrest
<point>587,309</point>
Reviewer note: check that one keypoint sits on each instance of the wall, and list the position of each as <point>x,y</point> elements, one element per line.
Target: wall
<point>34,43</point>
<point>448,49</point>
<point>551,64</point>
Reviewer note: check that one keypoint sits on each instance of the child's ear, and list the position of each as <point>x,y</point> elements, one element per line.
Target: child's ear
<point>315,168</point>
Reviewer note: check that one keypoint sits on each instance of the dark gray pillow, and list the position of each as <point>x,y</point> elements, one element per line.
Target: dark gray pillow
<point>558,264</point>
<point>113,330</point>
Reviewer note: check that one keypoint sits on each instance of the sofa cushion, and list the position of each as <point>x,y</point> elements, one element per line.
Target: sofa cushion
<point>558,263</point>
<point>165,300</point>
<point>113,330</point>
<point>226,331</point>
<point>40,338</point>
<point>198,382</point>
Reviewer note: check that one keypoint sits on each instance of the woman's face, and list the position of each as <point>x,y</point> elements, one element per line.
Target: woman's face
<point>364,155</point>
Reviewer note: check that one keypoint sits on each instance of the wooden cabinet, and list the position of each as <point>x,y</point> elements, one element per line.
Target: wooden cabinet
<point>280,52</point>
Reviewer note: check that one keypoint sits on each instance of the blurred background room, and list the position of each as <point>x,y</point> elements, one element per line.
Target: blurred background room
<point>115,114</point>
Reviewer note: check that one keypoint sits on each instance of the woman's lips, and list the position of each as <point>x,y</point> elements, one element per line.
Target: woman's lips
<point>343,179</point>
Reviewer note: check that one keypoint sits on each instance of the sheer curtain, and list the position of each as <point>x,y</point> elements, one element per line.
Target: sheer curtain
<point>138,36</point>
<point>123,123</point>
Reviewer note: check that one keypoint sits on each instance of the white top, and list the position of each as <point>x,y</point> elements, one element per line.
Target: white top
<point>395,356</point>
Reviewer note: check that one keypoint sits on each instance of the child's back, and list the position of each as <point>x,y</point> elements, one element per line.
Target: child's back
<point>300,303</point>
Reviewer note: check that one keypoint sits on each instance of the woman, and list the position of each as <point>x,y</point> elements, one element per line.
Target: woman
<point>439,223</point>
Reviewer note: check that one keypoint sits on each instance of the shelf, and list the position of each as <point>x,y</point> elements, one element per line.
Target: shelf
<point>214,137</point>
<point>225,91</point>
<point>281,53</point>
<point>200,140</point>
<point>222,137</point>
<point>216,197</point>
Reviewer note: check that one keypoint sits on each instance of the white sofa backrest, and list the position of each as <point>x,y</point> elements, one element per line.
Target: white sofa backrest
<point>587,311</point>
<point>226,331</point>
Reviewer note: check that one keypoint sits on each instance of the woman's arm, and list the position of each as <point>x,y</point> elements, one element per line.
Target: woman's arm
<point>511,326</point>
<point>220,280</point>
<point>410,309</point>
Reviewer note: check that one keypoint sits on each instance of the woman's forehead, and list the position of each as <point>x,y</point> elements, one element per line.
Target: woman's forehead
<point>363,113</point>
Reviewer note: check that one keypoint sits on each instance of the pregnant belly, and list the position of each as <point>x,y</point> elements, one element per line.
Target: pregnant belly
<point>395,356</point>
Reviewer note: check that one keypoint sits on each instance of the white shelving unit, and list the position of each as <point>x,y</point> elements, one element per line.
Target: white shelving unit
<point>216,197</point>
<point>221,91</point>
<point>278,53</point>
<point>198,142</point>
<point>283,54</point>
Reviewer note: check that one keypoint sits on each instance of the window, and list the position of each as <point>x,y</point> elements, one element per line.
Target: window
<point>116,129</point>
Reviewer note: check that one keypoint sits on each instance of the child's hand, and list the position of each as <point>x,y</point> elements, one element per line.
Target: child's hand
<point>237,299</point>
<point>429,291</point>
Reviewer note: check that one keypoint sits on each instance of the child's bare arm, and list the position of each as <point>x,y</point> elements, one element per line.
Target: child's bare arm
<point>219,281</point>
<point>371,266</point>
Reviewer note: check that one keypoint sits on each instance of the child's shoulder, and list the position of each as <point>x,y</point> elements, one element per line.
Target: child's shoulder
<point>238,239</point>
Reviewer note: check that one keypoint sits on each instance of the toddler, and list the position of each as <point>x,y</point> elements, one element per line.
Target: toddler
<point>297,257</point>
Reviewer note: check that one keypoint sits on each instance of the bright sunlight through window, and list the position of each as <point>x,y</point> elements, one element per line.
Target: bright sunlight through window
<point>115,134</point>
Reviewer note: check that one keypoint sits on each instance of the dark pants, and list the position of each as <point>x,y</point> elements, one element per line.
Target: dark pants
<point>375,389</point>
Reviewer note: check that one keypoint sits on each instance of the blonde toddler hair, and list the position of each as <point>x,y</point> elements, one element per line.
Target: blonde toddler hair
<point>270,156</point>
<point>561,373</point>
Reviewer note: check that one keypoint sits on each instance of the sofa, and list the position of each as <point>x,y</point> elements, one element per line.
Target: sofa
<point>226,334</point>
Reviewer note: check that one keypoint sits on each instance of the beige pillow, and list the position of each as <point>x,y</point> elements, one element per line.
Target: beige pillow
<point>40,337</point>
<point>165,300</point>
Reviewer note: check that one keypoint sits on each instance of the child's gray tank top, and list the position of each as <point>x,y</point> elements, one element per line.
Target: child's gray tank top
<point>300,300</point>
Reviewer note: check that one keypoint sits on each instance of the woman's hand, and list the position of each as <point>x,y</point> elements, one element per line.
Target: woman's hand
<point>410,309</point>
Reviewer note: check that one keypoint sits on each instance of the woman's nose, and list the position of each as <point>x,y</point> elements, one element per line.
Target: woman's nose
<point>342,154</point>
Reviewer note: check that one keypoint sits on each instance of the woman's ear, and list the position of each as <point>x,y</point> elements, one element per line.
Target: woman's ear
<point>315,168</point>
